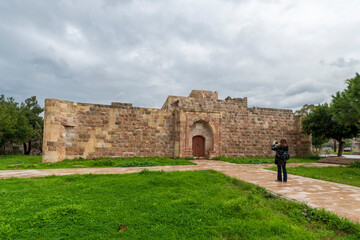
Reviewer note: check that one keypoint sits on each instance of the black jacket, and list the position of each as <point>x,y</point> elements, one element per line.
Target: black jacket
<point>279,152</point>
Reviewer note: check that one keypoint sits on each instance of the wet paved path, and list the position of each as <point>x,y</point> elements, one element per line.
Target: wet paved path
<point>344,200</point>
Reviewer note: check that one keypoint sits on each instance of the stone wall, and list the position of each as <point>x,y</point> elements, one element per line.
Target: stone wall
<point>251,132</point>
<point>74,130</point>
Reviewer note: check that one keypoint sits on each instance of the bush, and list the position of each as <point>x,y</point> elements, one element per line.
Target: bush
<point>312,157</point>
<point>355,164</point>
<point>16,149</point>
<point>106,162</point>
<point>136,164</point>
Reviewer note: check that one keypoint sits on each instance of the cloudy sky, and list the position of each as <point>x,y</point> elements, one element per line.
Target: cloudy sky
<point>280,54</point>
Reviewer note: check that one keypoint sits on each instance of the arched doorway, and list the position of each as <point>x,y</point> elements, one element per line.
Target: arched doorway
<point>198,146</point>
<point>200,129</point>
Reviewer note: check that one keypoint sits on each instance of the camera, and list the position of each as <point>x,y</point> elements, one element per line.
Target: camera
<point>276,143</point>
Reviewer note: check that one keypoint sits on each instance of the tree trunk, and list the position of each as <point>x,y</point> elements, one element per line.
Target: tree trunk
<point>27,148</point>
<point>341,147</point>
<point>334,145</point>
<point>2,151</point>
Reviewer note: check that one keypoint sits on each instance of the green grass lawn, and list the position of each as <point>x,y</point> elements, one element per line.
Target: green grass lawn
<point>267,160</point>
<point>157,205</point>
<point>345,175</point>
<point>16,162</point>
<point>34,162</point>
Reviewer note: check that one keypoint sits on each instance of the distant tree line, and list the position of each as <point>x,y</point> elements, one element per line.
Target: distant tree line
<point>338,120</point>
<point>20,124</point>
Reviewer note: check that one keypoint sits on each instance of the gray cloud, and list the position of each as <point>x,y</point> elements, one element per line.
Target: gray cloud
<point>277,54</point>
<point>342,62</point>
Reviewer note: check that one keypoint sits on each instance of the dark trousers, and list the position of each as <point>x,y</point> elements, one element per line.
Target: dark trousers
<point>284,172</point>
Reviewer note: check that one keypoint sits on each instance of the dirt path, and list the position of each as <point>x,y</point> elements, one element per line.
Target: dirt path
<point>344,200</point>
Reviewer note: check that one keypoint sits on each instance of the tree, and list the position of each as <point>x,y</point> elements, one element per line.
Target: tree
<point>20,124</point>
<point>32,110</point>
<point>14,126</point>
<point>7,126</point>
<point>321,124</point>
<point>317,142</point>
<point>346,105</point>
<point>24,130</point>
<point>305,110</point>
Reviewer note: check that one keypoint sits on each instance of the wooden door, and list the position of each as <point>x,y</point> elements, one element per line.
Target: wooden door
<point>198,146</point>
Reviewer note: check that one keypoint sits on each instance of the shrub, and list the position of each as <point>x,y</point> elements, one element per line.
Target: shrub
<point>136,164</point>
<point>312,157</point>
<point>106,162</point>
<point>16,149</point>
<point>355,164</point>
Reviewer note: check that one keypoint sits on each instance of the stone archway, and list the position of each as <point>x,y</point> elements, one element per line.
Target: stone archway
<point>201,138</point>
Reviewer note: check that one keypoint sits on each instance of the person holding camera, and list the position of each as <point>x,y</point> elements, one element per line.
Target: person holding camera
<point>282,155</point>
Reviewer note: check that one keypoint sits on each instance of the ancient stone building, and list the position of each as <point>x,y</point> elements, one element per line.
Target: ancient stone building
<point>199,125</point>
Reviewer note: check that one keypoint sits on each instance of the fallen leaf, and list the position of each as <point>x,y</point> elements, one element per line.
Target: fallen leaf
<point>122,228</point>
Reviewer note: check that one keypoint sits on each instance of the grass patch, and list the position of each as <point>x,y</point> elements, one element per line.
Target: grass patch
<point>266,160</point>
<point>309,157</point>
<point>157,205</point>
<point>15,162</point>
<point>345,175</point>
<point>241,160</point>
